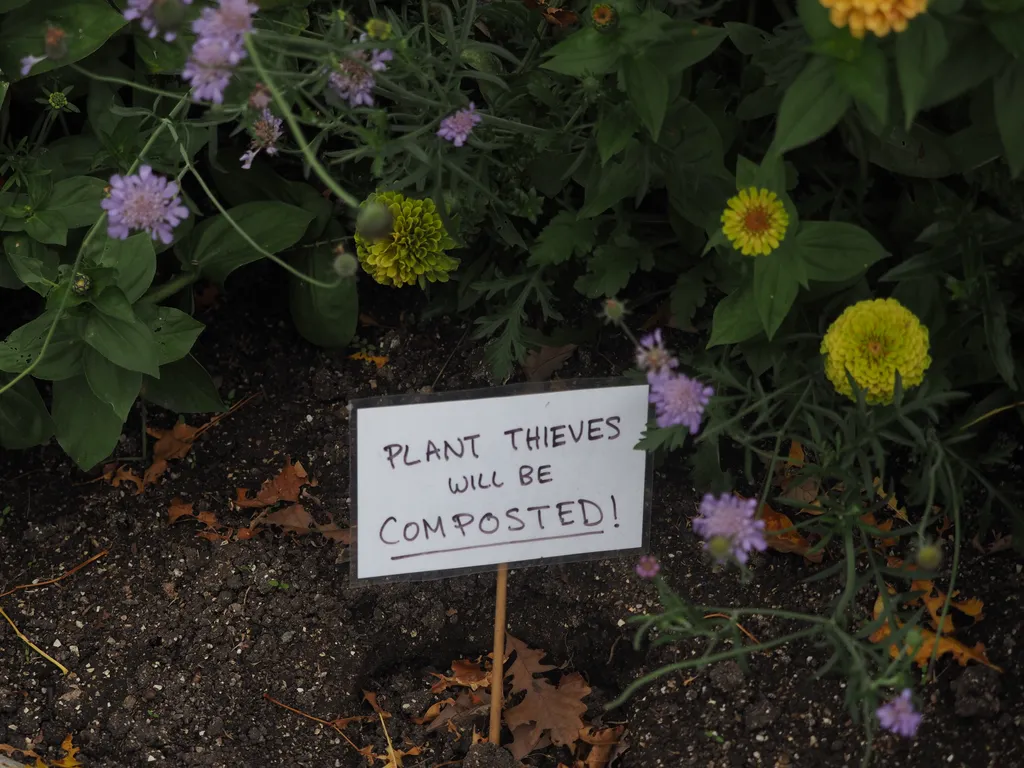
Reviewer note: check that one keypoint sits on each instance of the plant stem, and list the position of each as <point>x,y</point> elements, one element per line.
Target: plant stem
<point>171,287</point>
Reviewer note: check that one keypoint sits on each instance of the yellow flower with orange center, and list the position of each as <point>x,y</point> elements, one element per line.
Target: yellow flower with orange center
<point>604,16</point>
<point>878,16</point>
<point>755,221</point>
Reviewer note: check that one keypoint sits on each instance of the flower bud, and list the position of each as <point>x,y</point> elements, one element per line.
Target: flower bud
<point>613,310</point>
<point>57,100</point>
<point>591,87</point>
<point>81,284</point>
<point>374,221</point>
<point>929,556</point>
<point>344,264</point>
<point>605,17</point>
<point>378,29</point>
<point>914,639</point>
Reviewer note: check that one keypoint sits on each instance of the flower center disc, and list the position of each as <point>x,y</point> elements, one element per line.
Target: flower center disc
<point>875,348</point>
<point>756,220</point>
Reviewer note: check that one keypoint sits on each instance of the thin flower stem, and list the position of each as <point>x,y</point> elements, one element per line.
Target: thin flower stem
<point>126,83</point>
<point>511,125</point>
<point>293,126</point>
<point>157,131</point>
<point>171,287</point>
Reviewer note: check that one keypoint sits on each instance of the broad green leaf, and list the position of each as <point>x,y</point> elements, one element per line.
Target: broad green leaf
<point>86,427</point>
<point>833,251</point>
<point>77,200</point>
<point>777,279</point>
<point>997,336</point>
<point>175,331</point>
<point>866,79</point>
<point>815,19</point>
<point>561,238</point>
<point>920,49</point>
<point>746,173</point>
<point>647,88</point>
<point>586,52</point>
<point>1008,29</point>
<point>736,318</point>
<point>220,249</point>
<point>812,106</point>
<point>184,386</point>
<point>688,296</point>
<point>326,317</point>
<point>78,154</point>
<point>690,43</point>
<point>63,357</point>
<point>88,23</point>
<point>618,179</point>
<point>610,267</point>
<point>47,227</point>
<point>112,301</point>
<point>160,58</point>
<point>616,126</point>
<point>116,386</point>
<point>746,37</point>
<point>32,263</point>
<point>972,59</point>
<point>24,422</point>
<point>133,261</point>
<point>770,175</point>
<point>129,344</point>
<point>1009,98</point>
<point>8,277</point>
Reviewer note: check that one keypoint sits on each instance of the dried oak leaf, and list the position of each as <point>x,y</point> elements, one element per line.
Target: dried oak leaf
<point>125,476</point>
<point>787,541</point>
<point>371,698</point>
<point>432,712</point>
<point>465,673</point>
<point>806,490</point>
<point>178,510</point>
<point>540,364</point>
<point>379,360</point>
<point>468,705</point>
<point>605,743</point>
<point>284,486</point>
<point>296,520</point>
<point>869,519</point>
<point>70,752</point>
<point>526,664</point>
<point>556,711</point>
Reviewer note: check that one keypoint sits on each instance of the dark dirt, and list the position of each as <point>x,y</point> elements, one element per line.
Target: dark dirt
<point>173,641</point>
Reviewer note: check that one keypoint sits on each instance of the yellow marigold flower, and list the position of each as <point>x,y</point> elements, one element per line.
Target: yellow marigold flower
<point>874,339</point>
<point>755,221</point>
<point>878,16</point>
<point>413,249</point>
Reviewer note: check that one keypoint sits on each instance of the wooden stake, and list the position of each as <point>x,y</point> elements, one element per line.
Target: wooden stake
<point>498,665</point>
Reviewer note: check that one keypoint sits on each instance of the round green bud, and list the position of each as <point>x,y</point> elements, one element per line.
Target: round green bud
<point>344,264</point>
<point>929,556</point>
<point>374,221</point>
<point>591,87</point>
<point>57,100</point>
<point>614,310</point>
<point>378,29</point>
<point>720,548</point>
<point>81,284</point>
<point>914,639</point>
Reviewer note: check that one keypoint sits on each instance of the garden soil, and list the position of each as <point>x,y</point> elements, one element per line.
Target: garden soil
<point>173,642</point>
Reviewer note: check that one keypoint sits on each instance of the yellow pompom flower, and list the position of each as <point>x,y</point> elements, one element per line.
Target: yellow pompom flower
<point>878,16</point>
<point>755,221</point>
<point>874,339</point>
<point>414,247</point>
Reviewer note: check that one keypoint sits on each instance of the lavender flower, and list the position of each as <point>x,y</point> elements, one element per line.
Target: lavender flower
<point>379,57</point>
<point>647,567</point>
<point>899,716</point>
<point>457,127</point>
<point>260,97</point>
<point>266,131</point>
<point>231,21</point>
<point>148,13</point>
<point>729,529</point>
<point>145,202</point>
<point>209,68</point>
<point>28,62</point>
<point>678,399</point>
<point>353,82</point>
<point>652,356</point>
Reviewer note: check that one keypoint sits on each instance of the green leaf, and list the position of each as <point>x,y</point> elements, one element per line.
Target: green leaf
<point>777,279</point>
<point>616,180</point>
<point>24,422</point>
<point>866,79</point>
<point>833,251</point>
<point>87,428</point>
<point>129,344</point>
<point>220,249</point>
<point>63,358</point>
<point>89,24</point>
<point>112,301</point>
<point>656,438</point>
<point>1008,29</point>
<point>586,52</point>
<point>814,17</point>
<point>114,385</point>
<point>326,317</point>
<point>8,277</point>
<point>184,386</point>
<point>1009,98</point>
<point>997,337</point>
<point>689,44</point>
<point>770,175</point>
<point>972,59</point>
<point>647,88</point>
<point>746,173</point>
<point>160,58</point>
<point>689,294</point>
<point>174,331</point>
<point>561,238</point>
<point>747,38</point>
<point>616,126</point>
<point>77,200</point>
<point>32,263</point>
<point>47,227</point>
<point>611,265</point>
<point>812,106</point>
<point>736,318</point>
<point>920,49</point>
<point>133,261</point>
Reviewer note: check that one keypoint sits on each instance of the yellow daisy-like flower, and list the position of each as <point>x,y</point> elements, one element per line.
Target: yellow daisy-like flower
<point>874,339</point>
<point>412,248</point>
<point>755,221</point>
<point>878,16</point>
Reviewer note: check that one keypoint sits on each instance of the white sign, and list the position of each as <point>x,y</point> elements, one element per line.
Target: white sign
<point>470,483</point>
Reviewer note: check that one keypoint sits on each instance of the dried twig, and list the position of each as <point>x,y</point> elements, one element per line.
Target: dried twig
<point>32,645</point>
<point>64,575</point>
<point>328,723</point>
<point>740,627</point>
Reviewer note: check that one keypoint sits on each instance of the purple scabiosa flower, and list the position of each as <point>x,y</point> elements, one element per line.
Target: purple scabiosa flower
<point>727,525</point>
<point>231,20</point>
<point>652,356</point>
<point>899,716</point>
<point>208,69</point>
<point>457,127</point>
<point>151,16</point>
<point>28,62</point>
<point>145,202</point>
<point>266,131</point>
<point>647,567</point>
<point>379,57</point>
<point>678,399</point>
<point>353,82</point>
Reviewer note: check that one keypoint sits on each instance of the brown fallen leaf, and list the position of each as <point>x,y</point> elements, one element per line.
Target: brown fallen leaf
<point>379,360</point>
<point>432,712</point>
<point>125,475</point>
<point>805,491</point>
<point>788,541</point>
<point>371,698</point>
<point>526,664</point>
<point>898,512</point>
<point>70,755</point>
<point>466,674</point>
<point>540,364</point>
<point>604,744</point>
<point>173,443</point>
<point>468,705</point>
<point>178,511</point>
<point>284,486</point>
<point>869,519</point>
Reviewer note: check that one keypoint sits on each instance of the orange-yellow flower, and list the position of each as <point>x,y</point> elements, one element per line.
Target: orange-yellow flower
<point>878,16</point>
<point>755,221</point>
